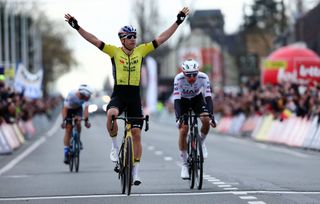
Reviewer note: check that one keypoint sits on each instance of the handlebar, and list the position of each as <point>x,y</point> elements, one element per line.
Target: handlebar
<point>194,115</point>
<point>126,119</point>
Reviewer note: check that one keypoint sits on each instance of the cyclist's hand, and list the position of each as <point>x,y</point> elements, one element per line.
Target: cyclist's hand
<point>63,124</point>
<point>72,21</point>
<point>182,15</point>
<point>213,122</point>
<point>178,123</point>
<point>87,124</point>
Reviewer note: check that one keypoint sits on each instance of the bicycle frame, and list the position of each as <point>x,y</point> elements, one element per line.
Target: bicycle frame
<point>125,163</point>
<point>74,147</point>
<point>195,155</point>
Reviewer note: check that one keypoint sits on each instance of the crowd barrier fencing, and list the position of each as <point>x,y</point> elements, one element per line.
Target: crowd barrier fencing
<point>293,131</point>
<point>13,136</point>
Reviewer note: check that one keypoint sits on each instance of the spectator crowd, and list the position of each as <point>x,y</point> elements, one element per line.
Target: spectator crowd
<point>14,106</point>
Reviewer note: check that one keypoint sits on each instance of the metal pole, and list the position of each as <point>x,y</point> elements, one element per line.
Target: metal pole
<point>1,32</point>
<point>13,36</point>
<point>6,38</point>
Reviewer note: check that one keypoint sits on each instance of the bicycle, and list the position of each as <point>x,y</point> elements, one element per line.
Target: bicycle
<point>195,155</point>
<point>74,146</point>
<point>125,162</point>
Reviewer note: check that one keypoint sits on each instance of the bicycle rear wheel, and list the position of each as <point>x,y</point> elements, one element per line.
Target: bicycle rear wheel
<point>198,164</point>
<point>191,157</point>
<point>128,164</point>
<point>76,157</point>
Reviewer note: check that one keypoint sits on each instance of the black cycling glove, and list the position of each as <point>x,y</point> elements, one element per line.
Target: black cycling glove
<point>180,17</point>
<point>74,23</point>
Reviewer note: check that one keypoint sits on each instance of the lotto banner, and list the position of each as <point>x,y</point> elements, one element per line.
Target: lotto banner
<point>291,64</point>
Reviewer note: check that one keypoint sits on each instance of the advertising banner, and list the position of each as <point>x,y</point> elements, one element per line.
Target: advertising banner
<point>28,83</point>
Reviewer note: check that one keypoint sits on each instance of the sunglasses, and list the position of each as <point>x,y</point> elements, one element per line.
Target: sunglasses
<point>189,75</point>
<point>131,37</point>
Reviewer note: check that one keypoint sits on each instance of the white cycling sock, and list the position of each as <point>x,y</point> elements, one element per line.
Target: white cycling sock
<point>135,168</point>
<point>203,137</point>
<point>184,156</point>
<point>114,142</point>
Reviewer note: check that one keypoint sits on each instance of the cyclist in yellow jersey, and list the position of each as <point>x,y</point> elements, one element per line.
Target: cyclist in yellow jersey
<point>126,61</point>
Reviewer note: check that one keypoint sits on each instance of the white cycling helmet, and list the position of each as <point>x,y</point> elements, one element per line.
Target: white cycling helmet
<point>190,65</point>
<point>85,90</point>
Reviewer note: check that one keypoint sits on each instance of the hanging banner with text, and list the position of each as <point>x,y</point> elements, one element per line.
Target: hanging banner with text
<point>28,83</point>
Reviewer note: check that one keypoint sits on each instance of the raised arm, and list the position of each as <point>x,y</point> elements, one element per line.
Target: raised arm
<point>169,32</point>
<point>86,35</point>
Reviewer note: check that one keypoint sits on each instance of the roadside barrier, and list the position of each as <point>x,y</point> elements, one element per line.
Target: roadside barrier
<point>5,148</point>
<point>12,136</point>
<point>293,131</point>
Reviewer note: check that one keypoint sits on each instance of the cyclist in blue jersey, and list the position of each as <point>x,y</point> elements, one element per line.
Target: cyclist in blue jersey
<point>75,105</point>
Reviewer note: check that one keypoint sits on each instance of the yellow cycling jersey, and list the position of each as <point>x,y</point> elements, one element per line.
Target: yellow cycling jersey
<point>127,68</point>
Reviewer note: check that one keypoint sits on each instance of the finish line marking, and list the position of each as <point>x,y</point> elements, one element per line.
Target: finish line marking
<point>156,194</point>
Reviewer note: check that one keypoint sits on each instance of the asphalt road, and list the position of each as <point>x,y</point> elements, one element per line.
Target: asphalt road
<point>238,170</point>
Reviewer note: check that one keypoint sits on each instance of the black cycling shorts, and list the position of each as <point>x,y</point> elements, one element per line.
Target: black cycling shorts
<point>73,112</point>
<point>197,104</point>
<point>132,106</point>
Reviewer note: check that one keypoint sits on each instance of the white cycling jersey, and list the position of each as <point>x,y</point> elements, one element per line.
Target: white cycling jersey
<point>73,102</point>
<point>183,89</point>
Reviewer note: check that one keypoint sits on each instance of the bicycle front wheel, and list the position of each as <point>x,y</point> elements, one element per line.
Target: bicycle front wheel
<point>191,156</point>
<point>71,154</point>
<point>198,164</point>
<point>128,164</point>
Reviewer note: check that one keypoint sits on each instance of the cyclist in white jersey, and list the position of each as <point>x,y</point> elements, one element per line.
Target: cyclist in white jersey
<point>192,89</point>
<point>73,107</point>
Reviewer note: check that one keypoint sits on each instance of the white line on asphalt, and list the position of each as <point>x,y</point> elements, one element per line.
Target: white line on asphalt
<point>168,158</point>
<point>211,179</point>
<point>158,152</point>
<point>232,188</point>
<point>150,147</point>
<point>224,186</point>
<point>240,193</point>
<point>247,197</point>
<point>219,183</point>
<point>16,160</point>
<point>157,194</point>
<point>30,149</point>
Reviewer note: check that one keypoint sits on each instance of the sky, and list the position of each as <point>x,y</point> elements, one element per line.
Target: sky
<point>103,18</point>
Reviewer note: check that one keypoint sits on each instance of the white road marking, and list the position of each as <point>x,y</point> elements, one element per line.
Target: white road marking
<point>224,186</point>
<point>158,152</point>
<point>23,155</point>
<point>150,147</point>
<point>211,180</point>
<point>217,183</point>
<point>232,188</point>
<point>30,149</point>
<point>168,158</point>
<point>240,193</point>
<point>159,194</point>
<point>247,197</point>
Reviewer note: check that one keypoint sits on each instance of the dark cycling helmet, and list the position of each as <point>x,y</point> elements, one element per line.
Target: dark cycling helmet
<point>85,90</point>
<point>190,65</point>
<point>127,30</point>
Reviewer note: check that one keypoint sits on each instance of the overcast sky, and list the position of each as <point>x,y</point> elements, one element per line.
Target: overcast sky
<point>103,18</point>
